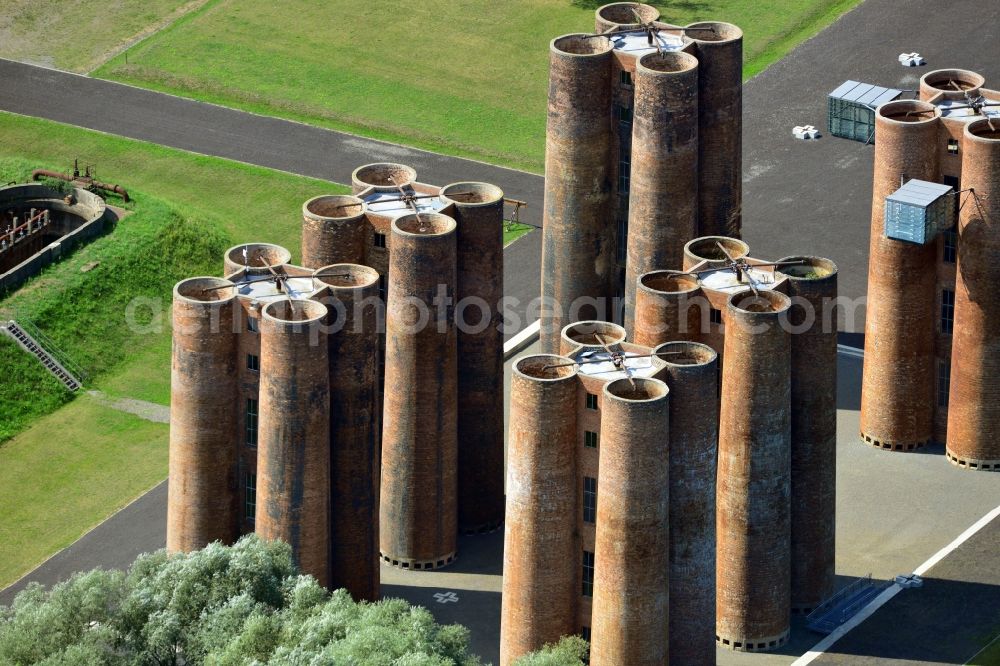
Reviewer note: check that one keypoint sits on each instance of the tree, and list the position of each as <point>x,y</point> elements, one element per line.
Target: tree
<point>569,651</point>
<point>243,604</point>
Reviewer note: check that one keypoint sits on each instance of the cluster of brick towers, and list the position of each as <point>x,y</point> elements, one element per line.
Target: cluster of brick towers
<point>717,500</point>
<point>696,463</point>
<point>642,154</point>
<point>671,475</point>
<point>932,341</point>
<point>279,421</point>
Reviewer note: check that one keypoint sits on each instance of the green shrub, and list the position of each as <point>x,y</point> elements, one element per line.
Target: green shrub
<point>84,313</point>
<point>222,605</point>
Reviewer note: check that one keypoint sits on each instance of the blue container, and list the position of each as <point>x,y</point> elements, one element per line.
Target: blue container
<point>918,211</point>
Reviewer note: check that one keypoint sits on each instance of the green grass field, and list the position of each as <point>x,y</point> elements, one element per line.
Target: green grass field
<point>79,36</point>
<point>476,87</point>
<point>67,473</point>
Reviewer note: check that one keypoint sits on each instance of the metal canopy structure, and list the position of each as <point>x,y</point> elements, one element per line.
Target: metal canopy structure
<point>851,109</point>
<point>918,211</point>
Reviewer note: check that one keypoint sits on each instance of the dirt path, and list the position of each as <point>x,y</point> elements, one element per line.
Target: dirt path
<point>149,411</point>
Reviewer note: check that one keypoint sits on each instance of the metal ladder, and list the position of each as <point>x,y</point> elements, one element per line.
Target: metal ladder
<point>23,338</point>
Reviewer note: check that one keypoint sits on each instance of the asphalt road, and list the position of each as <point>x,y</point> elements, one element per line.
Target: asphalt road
<point>799,197</point>
<point>947,621</point>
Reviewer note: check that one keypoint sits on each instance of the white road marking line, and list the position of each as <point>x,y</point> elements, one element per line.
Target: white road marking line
<point>524,338</point>
<point>850,351</point>
<point>995,639</point>
<point>892,591</point>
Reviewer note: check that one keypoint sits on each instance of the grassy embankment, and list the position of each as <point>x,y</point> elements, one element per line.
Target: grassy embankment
<point>69,466</point>
<point>466,79</point>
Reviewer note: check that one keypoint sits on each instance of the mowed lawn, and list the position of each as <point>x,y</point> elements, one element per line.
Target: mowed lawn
<point>66,474</point>
<point>78,36</point>
<point>466,78</point>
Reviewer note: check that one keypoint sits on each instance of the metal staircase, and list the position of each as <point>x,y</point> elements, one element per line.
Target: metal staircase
<point>843,605</point>
<point>52,359</point>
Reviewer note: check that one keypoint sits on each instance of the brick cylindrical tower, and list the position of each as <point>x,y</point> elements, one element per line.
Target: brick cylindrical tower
<point>663,194</point>
<point>669,306</point>
<point>478,210</point>
<point>630,622</point>
<point>592,334</point>
<point>383,176</point>
<point>334,230</point>
<point>201,494</point>
<point>355,421</point>
<point>578,253</point>
<point>693,379</point>
<point>293,451</point>
<point>951,84</point>
<point>541,552</point>
<point>706,248</point>
<point>812,287</point>
<point>897,389</point>
<point>719,48</point>
<point>753,516</point>
<point>254,258</point>
<point>621,14</point>
<point>418,526</point>
<point>974,408</point>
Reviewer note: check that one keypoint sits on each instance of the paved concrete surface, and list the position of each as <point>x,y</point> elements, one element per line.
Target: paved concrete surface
<point>947,621</point>
<point>799,196</point>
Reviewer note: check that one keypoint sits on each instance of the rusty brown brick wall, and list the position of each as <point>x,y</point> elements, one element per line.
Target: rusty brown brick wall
<point>663,193</point>
<point>541,552</point>
<point>632,556</point>
<point>693,379</point>
<point>478,210</point>
<point>293,453</point>
<point>202,489</point>
<point>897,390</point>
<point>753,500</point>
<point>812,286</point>
<point>720,127</point>
<point>355,421</point>
<point>247,386</point>
<point>669,306</point>
<point>334,231</point>
<point>418,511</point>
<point>974,408</point>
<point>578,253</point>
<point>260,255</point>
<point>621,13</point>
